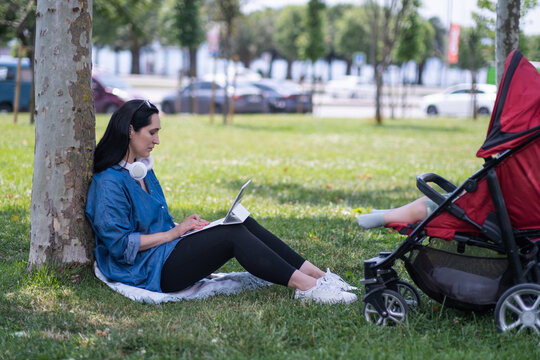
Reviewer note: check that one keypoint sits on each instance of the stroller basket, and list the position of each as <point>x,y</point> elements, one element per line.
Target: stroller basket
<point>456,280</point>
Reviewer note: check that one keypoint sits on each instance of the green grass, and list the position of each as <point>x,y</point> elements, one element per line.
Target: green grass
<point>309,175</point>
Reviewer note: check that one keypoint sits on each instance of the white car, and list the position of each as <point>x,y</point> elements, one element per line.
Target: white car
<point>349,86</point>
<point>457,100</point>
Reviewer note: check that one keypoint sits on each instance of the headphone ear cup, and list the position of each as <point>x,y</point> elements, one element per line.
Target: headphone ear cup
<point>138,170</point>
<point>148,162</point>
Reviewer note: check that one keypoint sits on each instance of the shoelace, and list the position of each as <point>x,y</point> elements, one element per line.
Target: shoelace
<point>336,278</point>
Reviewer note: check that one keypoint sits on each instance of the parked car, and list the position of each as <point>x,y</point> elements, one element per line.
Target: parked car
<point>457,100</point>
<point>349,86</point>
<point>247,98</point>
<point>110,91</point>
<point>285,96</point>
<point>8,77</point>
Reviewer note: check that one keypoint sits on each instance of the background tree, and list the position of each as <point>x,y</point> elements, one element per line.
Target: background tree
<point>385,22</point>
<point>65,134</point>
<point>244,40</point>
<point>507,32</point>
<point>503,26</point>
<point>474,55</point>
<point>352,36</point>
<point>264,26</point>
<point>227,12</point>
<point>17,20</point>
<point>427,50</point>
<point>312,42</point>
<point>532,51</point>
<point>254,37</point>
<point>410,47</point>
<point>105,31</point>
<point>190,29</point>
<point>334,14</point>
<point>286,35</point>
<point>438,36</point>
<point>127,25</point>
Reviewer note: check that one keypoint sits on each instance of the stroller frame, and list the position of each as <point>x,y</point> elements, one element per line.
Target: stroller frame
<point>508,228</point>
<point>383,288</point>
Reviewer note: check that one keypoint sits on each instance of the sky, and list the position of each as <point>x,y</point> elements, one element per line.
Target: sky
<point>460,11</point>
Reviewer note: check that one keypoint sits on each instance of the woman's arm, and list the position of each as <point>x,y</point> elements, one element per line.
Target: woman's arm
<point>189,223</point>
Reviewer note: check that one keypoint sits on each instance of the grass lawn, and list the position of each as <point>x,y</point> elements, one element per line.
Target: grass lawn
<point>309,175</point>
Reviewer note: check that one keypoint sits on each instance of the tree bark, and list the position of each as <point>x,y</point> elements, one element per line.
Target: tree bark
<point>65,134</point>
<point>506,33</point>
<point>193,61</point>
<point>271,64</point>
<point>136,59</point>
<point>289,69</point>
<point>420,78</point>
<point>348,68</point>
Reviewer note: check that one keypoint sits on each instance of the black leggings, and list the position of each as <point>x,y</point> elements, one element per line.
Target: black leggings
<point>258,250</point>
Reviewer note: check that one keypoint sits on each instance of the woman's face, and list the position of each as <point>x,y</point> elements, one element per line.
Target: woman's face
<point>142,142</point>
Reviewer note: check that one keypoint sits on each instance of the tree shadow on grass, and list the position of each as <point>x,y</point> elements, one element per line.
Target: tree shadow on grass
<point>82,307</point>
<point>295,193</point>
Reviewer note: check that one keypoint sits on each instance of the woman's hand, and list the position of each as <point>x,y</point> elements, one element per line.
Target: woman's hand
<point>190,223</point>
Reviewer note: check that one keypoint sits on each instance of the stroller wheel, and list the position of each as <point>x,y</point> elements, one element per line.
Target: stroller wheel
<point>395,305</point>
<point>409,294</point>
<point>519,309</point>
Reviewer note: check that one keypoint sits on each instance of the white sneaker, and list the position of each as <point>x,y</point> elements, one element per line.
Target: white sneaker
<point>336,281</point>
<point>325,294</point>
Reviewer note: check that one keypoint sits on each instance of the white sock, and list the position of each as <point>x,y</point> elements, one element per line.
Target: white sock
<point>377,211</point>
<point>369,221</point>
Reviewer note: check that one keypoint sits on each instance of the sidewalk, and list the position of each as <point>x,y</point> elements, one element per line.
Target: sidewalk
<point>151,81</point>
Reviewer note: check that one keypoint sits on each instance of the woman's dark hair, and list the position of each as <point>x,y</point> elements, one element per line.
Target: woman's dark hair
<point>114,144</point>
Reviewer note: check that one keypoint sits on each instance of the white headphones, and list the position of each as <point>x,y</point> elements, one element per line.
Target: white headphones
<point>138,169</point>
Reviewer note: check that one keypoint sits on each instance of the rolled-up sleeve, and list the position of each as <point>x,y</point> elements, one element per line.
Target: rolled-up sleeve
<point>133,245</point>
<point>108,208</point>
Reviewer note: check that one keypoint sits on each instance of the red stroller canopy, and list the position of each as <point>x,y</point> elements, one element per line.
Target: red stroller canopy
<point>516,113</point>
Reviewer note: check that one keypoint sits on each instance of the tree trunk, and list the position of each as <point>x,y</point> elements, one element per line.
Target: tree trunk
<point>271,64</point>
<point>193,61</point>
<point>193,76</point>
<point>421,67</point>
<point>289,69</point>
<point>348,64</point>
<point>474,96</point>
<point>65,135</point>
<point>330,59</point>
<point>136,59</point>
<point>506,33</point>
<point>378,94</point>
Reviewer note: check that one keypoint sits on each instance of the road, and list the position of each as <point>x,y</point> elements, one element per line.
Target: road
<point>325,106</point>
<point>154,88</point>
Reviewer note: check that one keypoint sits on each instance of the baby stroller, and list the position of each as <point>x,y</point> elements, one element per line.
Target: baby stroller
<point>479,249</point>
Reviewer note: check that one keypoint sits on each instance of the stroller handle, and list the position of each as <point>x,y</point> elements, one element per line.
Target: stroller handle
<point>422,184</point>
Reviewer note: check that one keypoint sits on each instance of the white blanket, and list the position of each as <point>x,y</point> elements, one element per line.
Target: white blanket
<point>221,283</point>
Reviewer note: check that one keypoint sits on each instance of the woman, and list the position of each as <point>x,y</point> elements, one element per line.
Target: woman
<point>138,243</point>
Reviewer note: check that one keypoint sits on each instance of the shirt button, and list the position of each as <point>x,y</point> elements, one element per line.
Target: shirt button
<point>163,207</point>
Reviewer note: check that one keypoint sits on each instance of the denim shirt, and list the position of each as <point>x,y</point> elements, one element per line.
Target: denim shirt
<point>120,211</point>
